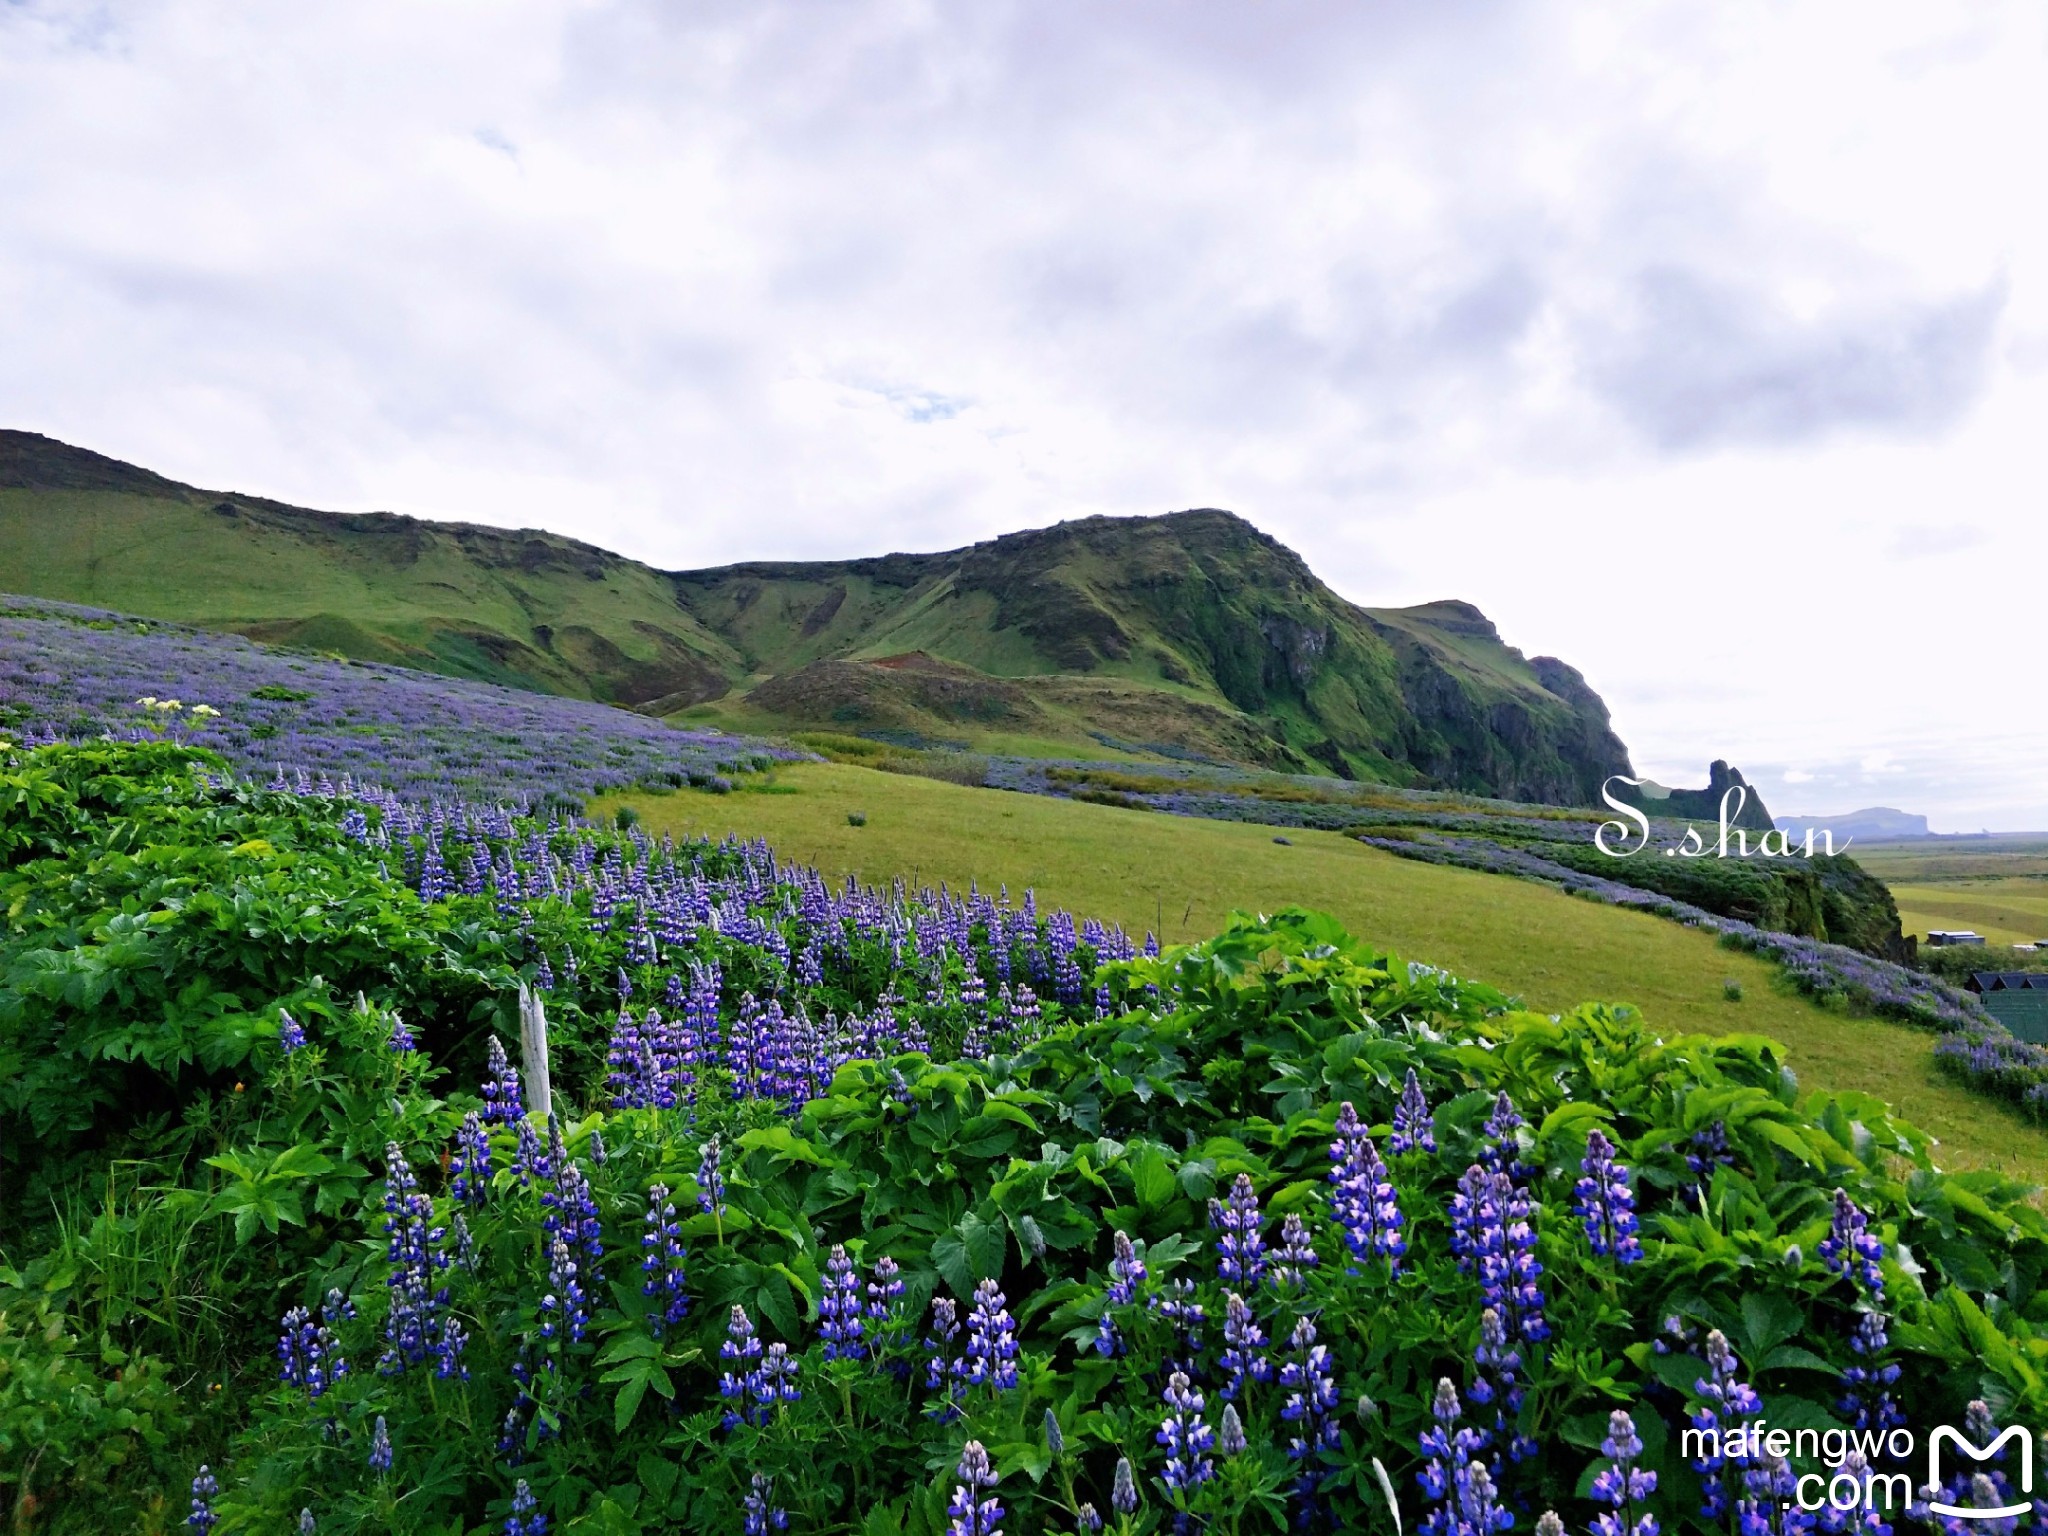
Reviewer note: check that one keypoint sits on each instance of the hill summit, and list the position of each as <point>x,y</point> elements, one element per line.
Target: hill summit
<point>1190,633</point>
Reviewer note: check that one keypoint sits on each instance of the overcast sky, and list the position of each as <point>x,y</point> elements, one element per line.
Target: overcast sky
<point>1704,345</point>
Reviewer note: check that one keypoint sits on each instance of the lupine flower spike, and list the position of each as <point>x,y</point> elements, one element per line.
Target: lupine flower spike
<point>204,1491</point>
<point>991,1357</point>
<point>1606,1203</point>
<point>1187,1438</point>
<point>972,1514</point>
<point>1414,1128</point>
<point>1123,1494</point>
<point>1621,1485</point>
<point>526,1518</point>
<point>1241,1250</point>
<point>1362,1197</point>
<point>839,1309</point>
<point>759,1514</point>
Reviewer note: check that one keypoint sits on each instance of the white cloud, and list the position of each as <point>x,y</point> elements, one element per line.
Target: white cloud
<point>1679,338</point>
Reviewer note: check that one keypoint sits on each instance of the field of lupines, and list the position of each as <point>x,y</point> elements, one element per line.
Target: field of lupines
<point>69,672</point>
<point>778,1206</point>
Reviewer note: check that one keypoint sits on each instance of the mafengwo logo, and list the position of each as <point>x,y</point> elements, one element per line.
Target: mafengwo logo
<point>1980,1453</point>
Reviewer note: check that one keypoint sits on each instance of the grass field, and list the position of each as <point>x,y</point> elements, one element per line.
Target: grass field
<point>1182,878</point>
<point>2013,910</point>
<point>1996,885</point>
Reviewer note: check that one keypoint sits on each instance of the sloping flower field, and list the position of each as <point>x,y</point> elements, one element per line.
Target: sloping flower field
<point>71,672</point>
<point>775,1205</point>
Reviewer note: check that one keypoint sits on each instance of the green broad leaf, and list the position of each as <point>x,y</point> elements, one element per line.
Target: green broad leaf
<point>629,1346</point>
<point>1793,1358</point>
<point>776,1301</point>
<point>657,1475</point>
<point>628,1402</point>
<point>984,1244</point>
<point>1152,1178</point>
<point>1768,1319</point>
<point>949,1258</point>
<point>1002,1109</point>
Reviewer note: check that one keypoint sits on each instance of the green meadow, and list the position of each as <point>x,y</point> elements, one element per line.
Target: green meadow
<point>1181,878</point>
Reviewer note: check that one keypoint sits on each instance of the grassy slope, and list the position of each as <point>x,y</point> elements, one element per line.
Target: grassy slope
<point>179,560</point>
<point>1144,870</point>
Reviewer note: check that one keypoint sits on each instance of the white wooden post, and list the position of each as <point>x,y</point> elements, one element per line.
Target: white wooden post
<point>533,1052</point>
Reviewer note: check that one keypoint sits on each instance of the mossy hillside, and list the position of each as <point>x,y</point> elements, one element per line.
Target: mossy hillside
<point>1188,632</point>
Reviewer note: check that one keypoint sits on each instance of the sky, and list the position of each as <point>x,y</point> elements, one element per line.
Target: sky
<point>1705,346</point>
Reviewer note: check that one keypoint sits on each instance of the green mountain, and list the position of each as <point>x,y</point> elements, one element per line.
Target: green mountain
<point>1186,633</point>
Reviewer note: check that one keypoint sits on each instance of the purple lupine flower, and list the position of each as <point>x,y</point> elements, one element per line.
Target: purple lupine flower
<point>564,1307</point>
<point>1479,1510</point>
<point>1126,1274</point>
<point>1498,1381</point>
<point>970,1513</point>
<point>529,1158</point>
<point>662,1255</point>
<point>291,1035</point>
<point>380,1447</point>
<point>1606,1203</point>
<point>1186,1316</point>
<point>1621,1485</point>
<point>885,1316</point>
<point>1295,1256</point>
<point>572,1211</point>
<point>1241,1250</point>
<point>401,1037</point>
<point>1362,1198</point>
<point>307,1352</point>
<point>943,1368</point>
<point>1708,1150</point>
<point>777,1383</point>
<point>1244,1348</point>
<point>1491,1235</point>
<point>1869,1379</point>
<point>501,1087</point>
<point>1310,1406</point>
<point>204,1491</point>
<point>450,1340</point>
<point>1123,1493</point>
<point>740,1382</point>
<point>991,1354</point>
<point>1187,1438</point>
<point>1448,1449</point>
<point>1503,1149</point>
<point>1727,1406</point>
<point>306,1526</point>
<point>526,1518</point>
<point>471,1164</point>
<point>759,1514</point>
<point>409,1325</point>
<point>1850,1250</point>
<point>1414,1128</point>
<point>1230,1440</point>
<point>710,1182</point>
<point>839,1311</point>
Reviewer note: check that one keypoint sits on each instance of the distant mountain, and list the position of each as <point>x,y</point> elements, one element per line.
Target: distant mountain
<point>1879,823</point>
<point>1191,632</point>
